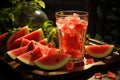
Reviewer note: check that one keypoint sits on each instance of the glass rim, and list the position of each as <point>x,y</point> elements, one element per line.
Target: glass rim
<point>63,13</point>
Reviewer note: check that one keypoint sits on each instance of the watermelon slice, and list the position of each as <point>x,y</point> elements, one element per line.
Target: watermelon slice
<point>2,36</point>
<point>25,58</point>
<point>2,42</point>
<point>16,52</point>
<point>99,51</point>
<point>29,57</point>
<point>23,31</point>
<point>43,41</point>
<point>36,35</point>
<point>21,50</point>
<point>52,62</point>
<point>24,42</point>
<point>31,46</point>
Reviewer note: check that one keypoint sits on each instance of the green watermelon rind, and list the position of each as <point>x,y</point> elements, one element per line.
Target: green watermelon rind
<point>54,67</point>
<point>100,55</point>
<point>11,38</point>
<point>11,54</point>
<point>39,33</point>
<point>25,61</point>
<point>42,34</point>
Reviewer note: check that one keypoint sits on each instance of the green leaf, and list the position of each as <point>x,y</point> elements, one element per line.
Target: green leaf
<point>11,15</point>
<point>41,3</point>
<point>87,36</point>
<point>97,36</point>
<point>14,1</point>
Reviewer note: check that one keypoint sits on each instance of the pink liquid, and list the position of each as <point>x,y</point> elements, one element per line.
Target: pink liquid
<point>71,32</point>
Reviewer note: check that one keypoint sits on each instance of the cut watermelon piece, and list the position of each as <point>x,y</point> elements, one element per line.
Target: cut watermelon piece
<point>52,62</point>
<point>99,51</point>
<point>24,42</point>
<point>23,31</point>
<point>111,75</point>
<point>50,45</point>
<point>98,75</point>
<point>29,57</point>
<point>26,58</point>
<point>2,37</point>
<point>44,49</point>
<point>72,30</point>
<point>36,35</point>
<point>16,52</point>
<point>70,65</point>
<point>43,41</point>
<point>31,46</point>
<point>21,50</point>
<point>52,51</point>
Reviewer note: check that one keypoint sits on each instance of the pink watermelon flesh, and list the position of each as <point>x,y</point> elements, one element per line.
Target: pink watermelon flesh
<point>2,37</point>
<point>73,31</point>
<point>50,45</point>
<point>99,51</point>
<point>44,49</point>
<point>26,58</point>
<point>23,31</point>
<point>29,57</point>
<point>52,62</point>
<point>31,45</point>
<point>24,42</point>
<point>16,52</point>
<point>37,53</point>
<point>43,41</point>
<point>52,51</point>
<point>52,59</point>
<point>36,35</point>
<point>21,50</point>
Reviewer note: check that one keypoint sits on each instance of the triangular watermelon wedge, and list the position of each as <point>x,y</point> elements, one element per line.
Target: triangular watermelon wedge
<point>21,50</point>
<point>29,57</point>
<point>23,31</point>
<point>99,51</point>
<point>26,58</point>
<point>24,42</point>
<point>53,61</point>
<point>16,52</point>
<point>32,45</point>
<point>36,35</point>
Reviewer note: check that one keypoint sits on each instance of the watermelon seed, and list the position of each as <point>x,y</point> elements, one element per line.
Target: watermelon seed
<point>35,43</point>
<point>47,60</point>
<point>57,60</point>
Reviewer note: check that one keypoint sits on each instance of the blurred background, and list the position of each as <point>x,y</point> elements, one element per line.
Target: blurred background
<point>104,15</point>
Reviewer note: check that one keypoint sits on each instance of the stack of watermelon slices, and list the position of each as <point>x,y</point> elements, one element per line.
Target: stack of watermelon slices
<point>33,49</point>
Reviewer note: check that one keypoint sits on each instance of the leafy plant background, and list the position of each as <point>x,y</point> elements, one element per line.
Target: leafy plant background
<point>7,18</point>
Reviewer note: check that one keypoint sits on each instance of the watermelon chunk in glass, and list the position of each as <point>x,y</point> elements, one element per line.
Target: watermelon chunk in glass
<point>71,31</point>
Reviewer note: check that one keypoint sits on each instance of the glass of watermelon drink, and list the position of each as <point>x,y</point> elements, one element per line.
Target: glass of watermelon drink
<point>72,27</point>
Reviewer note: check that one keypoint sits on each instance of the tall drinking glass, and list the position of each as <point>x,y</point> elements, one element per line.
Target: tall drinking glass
<point>72,27</point>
